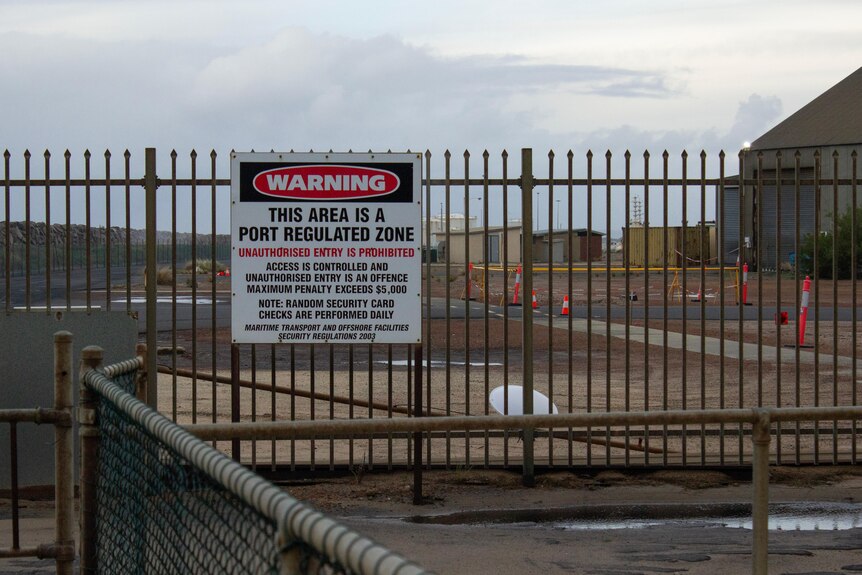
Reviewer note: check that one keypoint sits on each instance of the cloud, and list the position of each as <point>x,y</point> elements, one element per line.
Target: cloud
<point>302,87</point>
<point>754,117</point>
<point>298,89</point>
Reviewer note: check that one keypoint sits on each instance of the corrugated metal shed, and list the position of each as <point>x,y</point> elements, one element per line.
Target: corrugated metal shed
<point>688,242</point>
<point>776,247</point>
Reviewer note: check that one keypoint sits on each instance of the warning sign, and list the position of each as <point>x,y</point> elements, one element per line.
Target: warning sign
<point>326,248</point>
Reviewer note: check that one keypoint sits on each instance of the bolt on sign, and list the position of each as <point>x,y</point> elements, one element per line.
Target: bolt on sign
<point>326,248</point>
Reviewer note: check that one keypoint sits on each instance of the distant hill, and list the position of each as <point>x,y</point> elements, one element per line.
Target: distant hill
<point>39,233</point>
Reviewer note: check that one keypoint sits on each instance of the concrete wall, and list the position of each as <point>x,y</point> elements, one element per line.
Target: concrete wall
<point>27,357</point>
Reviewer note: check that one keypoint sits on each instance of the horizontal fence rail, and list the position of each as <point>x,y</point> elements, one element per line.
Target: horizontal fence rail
<point>322,429</point>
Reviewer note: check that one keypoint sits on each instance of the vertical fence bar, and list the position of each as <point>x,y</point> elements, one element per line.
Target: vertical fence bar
<point>447,190</point>
<point>758,257</point>
<point>234,398</point>
<point>273,413</point>
<point>835,302</point>
<point>88,230</point>
<point>128,248</point>
<point>486,261</point>
<point>193,156</point>
<point>370,403</point>
<point>7,246</point>
<point>213,280</point>
<point>88,429</point>
<point>570,249</point>
<point>67,157</point>
<point>702,297</point>
<point>778,363</point>
<point>331,402</point>
<point>293,402</point>
<point>312,402</point>
<point>527,310</point>
<point>760,505</point>
<point>49,235</point>
<point>417,436</point>
<point>254,402</point>
<point>350,393</point>
<point>141,378</point>
<point>797,185</point>
<point>854,266</point>
<point>27,237</point>
<point>608,297</point>
<point>505,158</point>
<point>647,265</point>
<point>107,230</point>
<point>467,296</point>
<point>816,290</point>
<point>741,261</point>
<point>589,294</point>
<point>150,185</point>
<point>174,278</point>
<point>722,289</point>
<point>428,283</point>
<point>629,297</point>
<point>64,483</point>
<point>684,266</point>
<point>551,302</point>
<point>390,398</point>
<point>664,346</point>
<point>13,483</point>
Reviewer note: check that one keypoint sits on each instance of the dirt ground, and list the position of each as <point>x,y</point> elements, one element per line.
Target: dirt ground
<point>479,521</point>
<point>579,374</point>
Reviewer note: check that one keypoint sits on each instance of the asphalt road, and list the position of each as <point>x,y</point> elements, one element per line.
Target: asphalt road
<point>182,314</point>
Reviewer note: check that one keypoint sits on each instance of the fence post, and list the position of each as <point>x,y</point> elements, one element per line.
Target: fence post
<point>141,379</point>
<point>760,438</point>
<point>527,313</point>
<point>64,482</point>
<point>91,358</point>
<point>417,436</point>
<point>150,185</point>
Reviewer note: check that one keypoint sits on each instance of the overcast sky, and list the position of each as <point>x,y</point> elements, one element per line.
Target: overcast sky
<point>445,74</point>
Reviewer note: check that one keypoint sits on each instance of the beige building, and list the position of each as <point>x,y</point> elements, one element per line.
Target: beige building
<point>507,243</point>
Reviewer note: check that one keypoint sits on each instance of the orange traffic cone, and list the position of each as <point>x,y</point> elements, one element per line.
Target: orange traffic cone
<point>535,302</point>
<point>565,305</point>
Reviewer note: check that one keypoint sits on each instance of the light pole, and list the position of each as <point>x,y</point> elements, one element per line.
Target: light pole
<point>557,225</point>
<point>536,216</point>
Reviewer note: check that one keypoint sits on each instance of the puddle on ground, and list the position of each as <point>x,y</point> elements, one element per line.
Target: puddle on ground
<point>805,516</point>
<point>782,517</point>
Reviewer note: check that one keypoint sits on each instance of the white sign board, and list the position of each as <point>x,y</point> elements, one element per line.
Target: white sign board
<point>326,248</point>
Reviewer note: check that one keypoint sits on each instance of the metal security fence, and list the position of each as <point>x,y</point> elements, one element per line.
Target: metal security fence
<point>155,499</point>
<point>675,271</point>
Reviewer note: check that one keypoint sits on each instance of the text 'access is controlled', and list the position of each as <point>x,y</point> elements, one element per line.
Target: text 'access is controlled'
<point>326,248</point>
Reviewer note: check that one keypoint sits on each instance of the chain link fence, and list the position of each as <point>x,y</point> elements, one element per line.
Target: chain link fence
<point>166,502</point>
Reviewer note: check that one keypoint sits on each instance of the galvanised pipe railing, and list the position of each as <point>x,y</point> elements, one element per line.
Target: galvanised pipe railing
<point>760,419</point>
<point>294,519</point>
<point>62,550</point>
